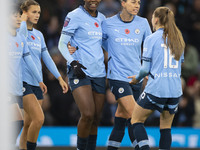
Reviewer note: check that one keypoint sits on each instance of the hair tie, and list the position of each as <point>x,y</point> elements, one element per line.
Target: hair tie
<point>167,11</point>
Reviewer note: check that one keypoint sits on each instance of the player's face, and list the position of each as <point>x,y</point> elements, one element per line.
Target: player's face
<point>16,20</point>
<point>131,6</point>
<point>33,14</point>
<point>92,4</point>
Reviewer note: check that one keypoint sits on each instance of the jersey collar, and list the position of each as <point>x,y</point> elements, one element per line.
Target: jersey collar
<point>81,7</point>
<point>118,15</point>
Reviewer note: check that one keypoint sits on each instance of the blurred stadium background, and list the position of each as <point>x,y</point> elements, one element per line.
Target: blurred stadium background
<point>60,109</point>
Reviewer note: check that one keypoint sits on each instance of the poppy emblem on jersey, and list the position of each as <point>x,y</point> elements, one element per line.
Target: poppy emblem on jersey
<point>32,37</point>
<point>127,31</point>
<point>22,44</point>
<point>96,24</point>
<point>121,90</point>
<point>17,44</point>
<point>76,81</point>
<point>66,22</point>
<point>137,31</point>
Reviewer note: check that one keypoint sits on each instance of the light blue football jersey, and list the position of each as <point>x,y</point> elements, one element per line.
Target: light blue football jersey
<point>123,41</point>
<point>86,35</point>
<point>38,51</point>
<point>17,50</point>
<point>165,72</point>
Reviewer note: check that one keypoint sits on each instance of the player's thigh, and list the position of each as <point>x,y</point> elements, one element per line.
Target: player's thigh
<point>32,107</point>
<point>140,114</point>
<point>166,120</point>
<point>125,106</point>
<point>99,100</point>
<point>83,97</point>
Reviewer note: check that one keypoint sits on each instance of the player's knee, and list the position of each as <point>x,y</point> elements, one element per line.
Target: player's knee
<point>88,117</point>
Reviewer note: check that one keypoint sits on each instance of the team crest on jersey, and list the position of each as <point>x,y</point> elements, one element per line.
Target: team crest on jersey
<point>137,31</point>
<point>17,44</point>
<point>66,22</point>
<point>32,37</point>
<point>76,81</point>
<point>96,24</point>
<point>127,31</point>
<point>22,44</point>
<point>121,90</point>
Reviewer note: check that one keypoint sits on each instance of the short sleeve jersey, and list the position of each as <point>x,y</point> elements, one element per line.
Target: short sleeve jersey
<point>123,42</point>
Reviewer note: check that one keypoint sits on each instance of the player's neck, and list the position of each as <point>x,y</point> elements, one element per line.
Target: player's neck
<point>29,25</point>
<point>125,16</point>
<point>13,31</point>
<point>159,27</point>
<point>92,13</point>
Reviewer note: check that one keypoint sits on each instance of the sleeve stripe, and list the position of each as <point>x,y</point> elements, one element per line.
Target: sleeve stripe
<point>67,33</point>
<point>26,54</point>
<point>146,59</point>
<point>44,49</point>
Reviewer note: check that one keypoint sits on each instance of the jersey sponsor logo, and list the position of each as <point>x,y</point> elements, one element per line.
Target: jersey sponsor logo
<point>15,54</point>
<point>166,74</point>
<point>96,24</point>
<point>66,22</point>
<point>35,46</point>
<point>121,90</point>
<point>126,41</point>
<point>95,34</point>
<point>137,31</point>
<point>17,44</point>
<point>127,31</point>
<point>32,37</point>
<point>76,81</point>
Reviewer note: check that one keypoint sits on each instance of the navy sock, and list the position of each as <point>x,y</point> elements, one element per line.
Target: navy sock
<point>117,133</point>
<point>141,136</point>
<point>131,135</point>
<point>165,139</point>
<point>81,143</point>
<point>31,146</point>
<point>91,144</point>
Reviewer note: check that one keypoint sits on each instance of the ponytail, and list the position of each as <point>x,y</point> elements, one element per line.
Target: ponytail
<point>172,35</point>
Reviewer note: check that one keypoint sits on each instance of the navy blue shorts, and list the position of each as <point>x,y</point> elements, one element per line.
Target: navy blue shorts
<point>122,88</point>
<point>15,99</point>
<point>30,89</point>
<point>98,84</point>
<point>148,101</point>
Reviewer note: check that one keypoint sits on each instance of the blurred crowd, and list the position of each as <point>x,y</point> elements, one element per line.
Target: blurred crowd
<point>60,109</point>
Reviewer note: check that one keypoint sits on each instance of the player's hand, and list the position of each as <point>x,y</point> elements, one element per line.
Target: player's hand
<point>63,84</point>
<point>43,87</point>
<point>71,48</point>
<point>134,80</point>
<point>24,16</point>
<point>76,67</point>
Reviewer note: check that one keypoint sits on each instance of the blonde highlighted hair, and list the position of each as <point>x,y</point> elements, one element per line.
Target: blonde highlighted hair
<point>172,35</point>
